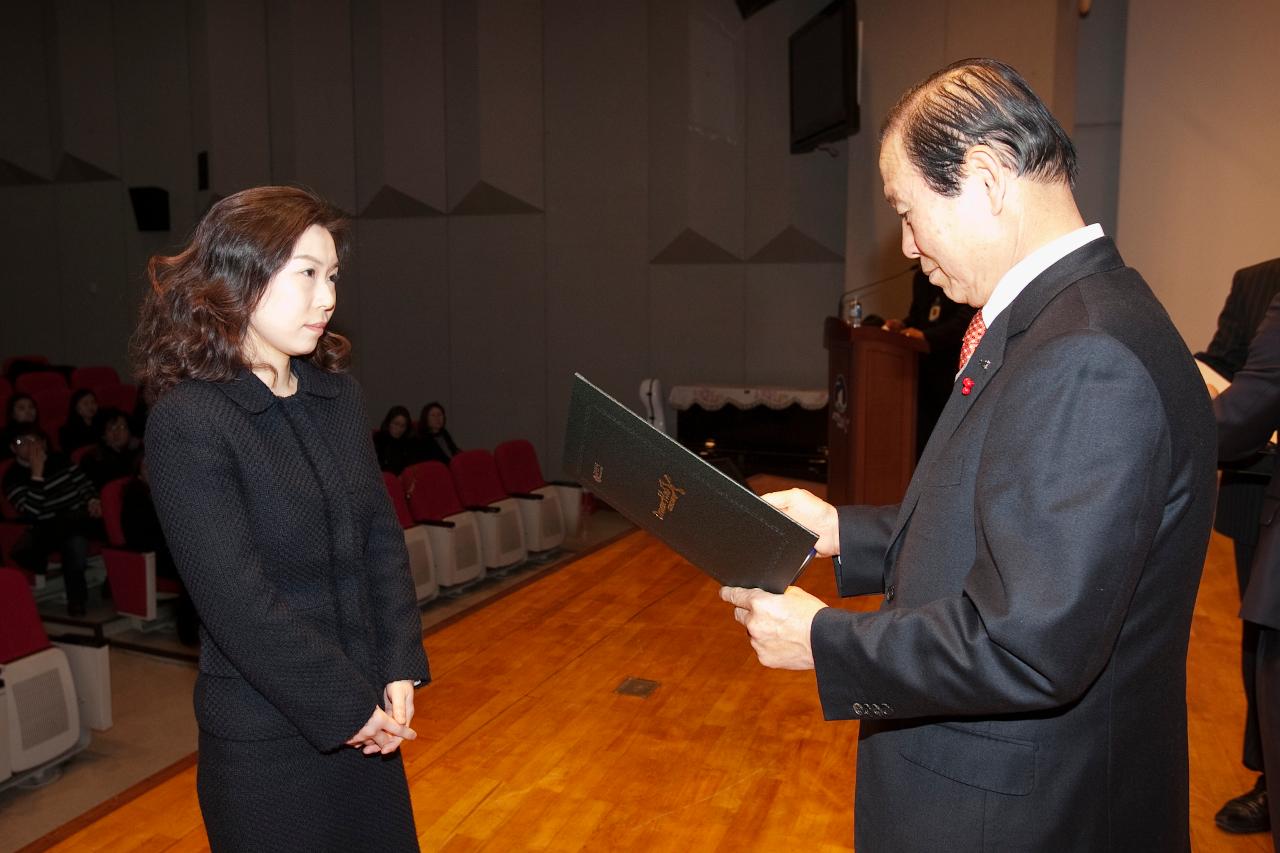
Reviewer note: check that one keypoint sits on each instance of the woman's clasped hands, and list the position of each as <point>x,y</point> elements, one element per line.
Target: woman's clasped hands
<point>384,732</point>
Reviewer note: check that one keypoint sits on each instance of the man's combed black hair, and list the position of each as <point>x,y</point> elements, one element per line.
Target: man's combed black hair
<point>979,102</point>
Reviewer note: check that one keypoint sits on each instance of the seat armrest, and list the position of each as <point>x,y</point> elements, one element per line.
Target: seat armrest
<point>483,509</point>
<point>446,524</point>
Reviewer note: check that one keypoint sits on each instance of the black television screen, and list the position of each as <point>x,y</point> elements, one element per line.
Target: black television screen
<point>824,77</point>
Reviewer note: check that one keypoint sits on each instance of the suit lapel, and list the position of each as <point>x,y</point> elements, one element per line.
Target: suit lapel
<point>1093,257</point>
<point>982,367</point>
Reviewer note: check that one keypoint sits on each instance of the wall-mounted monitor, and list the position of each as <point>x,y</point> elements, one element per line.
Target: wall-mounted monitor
<point>824,77</point>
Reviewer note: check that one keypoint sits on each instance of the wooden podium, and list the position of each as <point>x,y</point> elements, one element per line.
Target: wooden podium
<point>871,422</point>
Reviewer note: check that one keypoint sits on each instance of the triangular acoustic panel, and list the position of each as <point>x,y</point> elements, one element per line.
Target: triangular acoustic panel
<point>487,200</point>
<point>13,175</point>
<point>390,203</point>
<point>690,247</point>
<point>793,246</point>
<point>73,170</point>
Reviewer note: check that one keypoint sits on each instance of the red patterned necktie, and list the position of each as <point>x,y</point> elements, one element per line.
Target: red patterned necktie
<point>972,335</point>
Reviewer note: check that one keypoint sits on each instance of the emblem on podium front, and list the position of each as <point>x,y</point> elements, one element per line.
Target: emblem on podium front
<point>840,403</point>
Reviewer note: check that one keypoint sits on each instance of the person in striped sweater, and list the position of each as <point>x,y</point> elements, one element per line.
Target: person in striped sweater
<point>61,505</point>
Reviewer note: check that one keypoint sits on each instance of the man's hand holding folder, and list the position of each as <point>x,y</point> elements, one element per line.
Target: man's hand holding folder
<point>779,625</point>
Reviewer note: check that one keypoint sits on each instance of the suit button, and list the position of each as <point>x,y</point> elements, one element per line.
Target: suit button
<point>888,593</point>
<point>857,709</point>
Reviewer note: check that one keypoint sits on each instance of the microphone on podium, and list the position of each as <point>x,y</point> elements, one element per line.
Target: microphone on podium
<point>850,310</point>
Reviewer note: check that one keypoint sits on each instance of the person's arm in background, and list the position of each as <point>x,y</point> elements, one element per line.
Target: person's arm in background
<point>1249,411</point>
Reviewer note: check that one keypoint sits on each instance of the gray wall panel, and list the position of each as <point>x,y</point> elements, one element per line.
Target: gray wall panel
<point>696,327</point>
<point>92,278</point>
<point>400,324</point>
<point>31,321</point>
<point>783,344</point>
<point>497,329</point>
<point>26,59</point>
<point>399,100</point>
<point>86,82</point>
<point>233,90</point>
<point>596,194</point>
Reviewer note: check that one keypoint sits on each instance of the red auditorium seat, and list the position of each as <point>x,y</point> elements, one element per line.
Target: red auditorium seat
<point>41,710</point>
<point>7,510</point>
<point>451,530</point>
<point>30,383</point>
<point>14,359</point>
<point>135,589</point>
<point>502,537</point>
<point>416,541</point>
<point>93,376</point>
<point>21,632</point>
<point>52,404</point>
<point>542,507</point>
<point>118,396</point>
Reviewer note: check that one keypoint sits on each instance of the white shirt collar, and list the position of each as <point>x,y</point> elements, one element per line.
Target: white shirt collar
<point>1024,271</point>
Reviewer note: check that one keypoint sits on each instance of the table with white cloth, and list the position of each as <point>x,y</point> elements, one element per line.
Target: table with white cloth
<point>760,429</point>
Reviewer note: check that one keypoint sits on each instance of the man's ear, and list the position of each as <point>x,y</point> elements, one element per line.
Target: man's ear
<point>982,164</point>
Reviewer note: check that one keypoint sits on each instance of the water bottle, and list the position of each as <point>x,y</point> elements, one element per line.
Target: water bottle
<point>855,313</point>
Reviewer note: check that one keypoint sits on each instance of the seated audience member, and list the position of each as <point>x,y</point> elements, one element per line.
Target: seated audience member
<point>394,441</point>
<point>116,454</point>
<point>436,442</point>
<point>60,504</point>
<point>81,428</point>
<point>22,411</point>
<point>941,323</point>
<point>142,533</point>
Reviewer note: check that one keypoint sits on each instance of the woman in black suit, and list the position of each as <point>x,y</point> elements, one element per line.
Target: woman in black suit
<point>266,485</point>
<point>433,436</point>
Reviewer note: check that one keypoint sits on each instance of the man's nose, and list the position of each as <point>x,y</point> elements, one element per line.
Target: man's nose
<point>909,243</point>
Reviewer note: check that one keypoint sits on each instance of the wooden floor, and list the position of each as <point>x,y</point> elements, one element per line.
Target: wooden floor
<point>525,745</point>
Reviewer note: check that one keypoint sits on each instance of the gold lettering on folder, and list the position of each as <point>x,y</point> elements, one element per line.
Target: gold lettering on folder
<point>668,492</point>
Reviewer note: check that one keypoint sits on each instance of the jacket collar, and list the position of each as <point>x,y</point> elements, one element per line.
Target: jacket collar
<point>1094,257</point>
<point>253,395</point>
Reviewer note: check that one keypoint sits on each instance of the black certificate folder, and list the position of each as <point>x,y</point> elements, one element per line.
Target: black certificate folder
<point>707,518</point>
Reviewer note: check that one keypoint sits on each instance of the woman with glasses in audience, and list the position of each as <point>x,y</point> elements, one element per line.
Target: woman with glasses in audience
<point>21,411</point>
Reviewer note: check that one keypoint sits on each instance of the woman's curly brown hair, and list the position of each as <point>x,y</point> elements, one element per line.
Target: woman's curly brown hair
<point>194,318</point>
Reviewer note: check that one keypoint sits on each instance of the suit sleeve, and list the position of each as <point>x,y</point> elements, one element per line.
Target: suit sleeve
<point>391,588</point>
<point>1070,485</point>
<point>1230,345</point>
<point>1249,411</point>
<point>302,672</point>
<point>864,539</point>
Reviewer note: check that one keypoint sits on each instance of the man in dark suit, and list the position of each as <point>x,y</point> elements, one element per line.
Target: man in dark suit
<point>1248,413</point>
<point>1240,495</point>
<point>1023,685</point>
